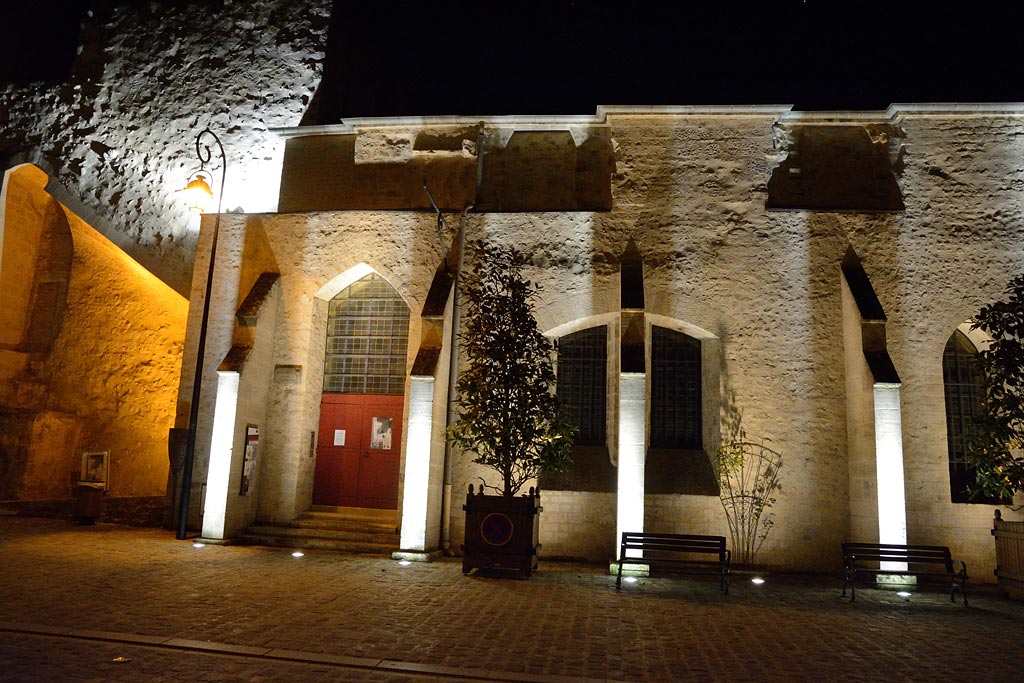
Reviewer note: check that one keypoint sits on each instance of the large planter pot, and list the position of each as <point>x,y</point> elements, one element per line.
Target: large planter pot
<point>501,532</point>
<point>1009,556</point>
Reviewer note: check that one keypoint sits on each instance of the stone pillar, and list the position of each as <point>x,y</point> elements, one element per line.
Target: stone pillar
<point>892,505</point>
<point>218,480</point>
<point>632,437</point>
<point>416,486</point>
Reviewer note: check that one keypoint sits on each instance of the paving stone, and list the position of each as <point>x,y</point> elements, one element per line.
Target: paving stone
<point>74,598</point>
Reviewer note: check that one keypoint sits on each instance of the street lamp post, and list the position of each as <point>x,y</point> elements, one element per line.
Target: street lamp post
<point>198,192</point>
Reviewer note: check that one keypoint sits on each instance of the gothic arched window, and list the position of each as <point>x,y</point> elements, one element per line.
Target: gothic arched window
<point>963,381</point>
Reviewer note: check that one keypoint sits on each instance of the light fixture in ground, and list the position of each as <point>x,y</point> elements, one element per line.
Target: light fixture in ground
<point>298,553</point>
<point>630,579</point>
<point>903,594</point>
<point>757,581</point>
<point>197,544</point>
<point>404,563</point>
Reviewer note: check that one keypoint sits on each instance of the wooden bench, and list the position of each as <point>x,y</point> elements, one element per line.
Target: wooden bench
<point>921,560</point>
<point>676,550</point>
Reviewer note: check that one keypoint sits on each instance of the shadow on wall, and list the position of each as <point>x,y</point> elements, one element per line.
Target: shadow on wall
<point>90,352</point>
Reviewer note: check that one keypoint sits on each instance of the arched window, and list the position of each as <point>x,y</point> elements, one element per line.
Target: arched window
<point>583,392</point>
<point>582,382</point>
<point>963,381</point>
<point>676,460</point>
<point>675,390</point>
<point>367,337</point>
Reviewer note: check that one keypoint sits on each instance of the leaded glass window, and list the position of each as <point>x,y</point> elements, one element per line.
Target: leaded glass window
<point>963,381</point>
<point>367,339</point>
<point>675,390</point>
<point>582,382</point>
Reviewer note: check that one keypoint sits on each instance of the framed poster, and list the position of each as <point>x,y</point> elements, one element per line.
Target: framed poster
<point>252,442</point>
<point>96,469</point>
<point>380,433</point>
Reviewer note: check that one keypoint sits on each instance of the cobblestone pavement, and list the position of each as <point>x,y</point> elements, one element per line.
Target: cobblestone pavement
<point>74,598</point>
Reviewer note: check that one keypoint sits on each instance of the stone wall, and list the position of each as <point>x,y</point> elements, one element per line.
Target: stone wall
<point>118,139</point>
<point>106,378</point>
<point>762,289</point>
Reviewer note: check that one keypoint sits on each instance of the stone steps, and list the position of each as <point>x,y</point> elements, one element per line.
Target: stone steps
<point>356,531</point>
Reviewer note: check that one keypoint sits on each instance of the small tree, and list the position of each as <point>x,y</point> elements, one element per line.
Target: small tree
<point>997,432</point>
<point>508,418</point>
<point>749,477</point>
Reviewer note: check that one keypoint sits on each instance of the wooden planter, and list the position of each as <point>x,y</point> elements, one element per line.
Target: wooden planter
<point>501,533</point>
<point>1009,556</point>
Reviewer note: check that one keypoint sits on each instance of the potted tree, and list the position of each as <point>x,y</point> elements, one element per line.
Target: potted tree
<point>508,418</point>
<point>996,439</point>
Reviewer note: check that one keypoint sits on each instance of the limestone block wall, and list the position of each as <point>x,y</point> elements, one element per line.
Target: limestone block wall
<point>119,135</point>
<point>108,378</point>
<point>316,255</point>
<point>39,457</point>
<point>231,234</point>
<point>254,384</point>
<point>578,525</point>
<point>957,245</point>
<point>30,213</point>
<point>764,287</point>
<point>376,165</point>
<point>116,361</point>
<point>691,191</point>
<point>860,422</point>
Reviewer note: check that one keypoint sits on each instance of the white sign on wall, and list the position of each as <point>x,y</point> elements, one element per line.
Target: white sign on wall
<point>339,437</point>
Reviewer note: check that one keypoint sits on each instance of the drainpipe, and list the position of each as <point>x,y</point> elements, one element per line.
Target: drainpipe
<point>453,358</point>
<point>453,374</point>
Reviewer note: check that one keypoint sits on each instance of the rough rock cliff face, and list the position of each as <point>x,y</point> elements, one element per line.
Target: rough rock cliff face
<point>119,135</point>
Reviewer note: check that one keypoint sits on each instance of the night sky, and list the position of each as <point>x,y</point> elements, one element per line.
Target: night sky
<point>566,57</point>
<point>562,57</point>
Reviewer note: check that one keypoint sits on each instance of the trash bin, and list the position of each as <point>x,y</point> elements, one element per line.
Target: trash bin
<point>88,501</point>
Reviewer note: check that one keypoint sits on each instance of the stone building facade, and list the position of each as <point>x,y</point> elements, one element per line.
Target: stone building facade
<point>798,277</point>
<point>794,277</point>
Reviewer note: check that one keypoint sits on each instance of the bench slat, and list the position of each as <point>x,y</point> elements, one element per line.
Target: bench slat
<point>659,548</point>
<point>918,558</point>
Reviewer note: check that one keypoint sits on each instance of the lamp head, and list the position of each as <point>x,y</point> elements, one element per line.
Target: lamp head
<point>197,192</point>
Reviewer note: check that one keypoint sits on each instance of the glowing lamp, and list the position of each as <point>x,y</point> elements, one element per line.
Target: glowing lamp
<point>197,192</point>
<point>199,188</point>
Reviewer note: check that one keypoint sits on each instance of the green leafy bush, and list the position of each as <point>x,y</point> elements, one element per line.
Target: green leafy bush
<point>997,433</point>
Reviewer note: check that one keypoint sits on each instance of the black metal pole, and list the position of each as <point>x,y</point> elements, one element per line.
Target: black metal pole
<point>193,416</point>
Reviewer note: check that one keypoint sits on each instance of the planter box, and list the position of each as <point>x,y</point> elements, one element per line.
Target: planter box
<point>1009,557</point>
<point>501,533</point>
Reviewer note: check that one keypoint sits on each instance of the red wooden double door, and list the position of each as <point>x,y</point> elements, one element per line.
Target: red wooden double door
<point>358,451</point>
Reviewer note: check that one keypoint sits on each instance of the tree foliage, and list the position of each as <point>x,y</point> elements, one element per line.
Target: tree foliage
<point>997,433</point>
<point>508,418</point>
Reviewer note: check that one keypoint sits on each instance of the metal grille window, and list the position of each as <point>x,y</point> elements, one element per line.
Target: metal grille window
<point>963,380</point>
<point>582,382</point>
<point>367,339</point>
<point>675,390</point>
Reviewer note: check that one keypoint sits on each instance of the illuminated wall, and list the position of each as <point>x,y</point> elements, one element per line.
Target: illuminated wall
<point>783,354</point>
<point>94,369</point>
<point>120,132</point>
